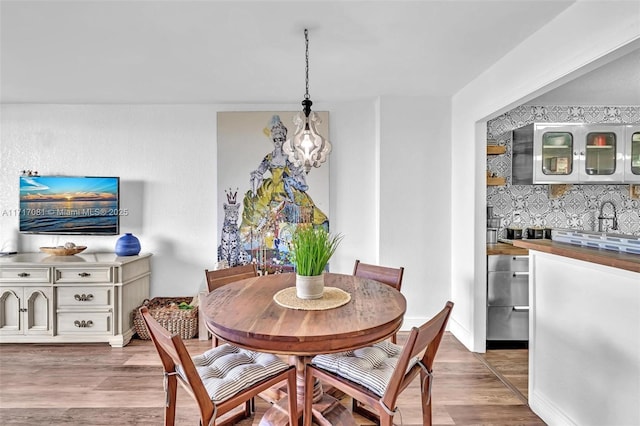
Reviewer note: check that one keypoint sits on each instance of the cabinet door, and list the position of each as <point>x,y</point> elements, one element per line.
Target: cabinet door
<point>507,323</point>
<point>10,310</point>
<point>26,310</point>
<point>507,288</point>
<point>632,154</point>
<point>601,153</point>
<point>555,152</point>
<point>38,315</point>
<point>505,262</point>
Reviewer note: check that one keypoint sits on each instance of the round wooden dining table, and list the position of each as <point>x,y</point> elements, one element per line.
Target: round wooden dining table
<point>244,313</point>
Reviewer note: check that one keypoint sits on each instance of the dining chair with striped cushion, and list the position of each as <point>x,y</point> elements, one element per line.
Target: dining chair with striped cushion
<point>220,277</point>
<point>377,374</point>
<point>384,274</point>
<point>220,379</point>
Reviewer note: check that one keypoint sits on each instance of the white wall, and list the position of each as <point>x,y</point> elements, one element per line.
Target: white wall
<point>165,157</point>
<point>388,183</point>
<point>390,193</point>
<point>415,194</point>
<point>354,182</point>
<point>535,66</point>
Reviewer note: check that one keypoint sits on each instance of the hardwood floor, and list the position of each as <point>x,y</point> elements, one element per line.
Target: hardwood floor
<point>512,367</point>
<point>94,384</point>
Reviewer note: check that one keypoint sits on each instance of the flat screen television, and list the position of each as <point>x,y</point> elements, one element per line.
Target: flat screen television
<point>80,205</point>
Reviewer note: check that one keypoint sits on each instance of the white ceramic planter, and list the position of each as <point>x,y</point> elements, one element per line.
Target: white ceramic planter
<point>309,287</point>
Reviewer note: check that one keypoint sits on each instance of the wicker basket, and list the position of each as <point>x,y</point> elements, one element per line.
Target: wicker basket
<point>183,322</point>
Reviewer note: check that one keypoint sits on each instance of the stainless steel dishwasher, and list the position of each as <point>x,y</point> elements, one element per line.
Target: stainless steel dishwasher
<point>507,298</point>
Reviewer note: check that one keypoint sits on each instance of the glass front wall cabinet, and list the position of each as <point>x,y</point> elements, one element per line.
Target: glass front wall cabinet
<point>549,153</point>
<point>632,155</point>
<point>601,153</point>
<point>555,147</point>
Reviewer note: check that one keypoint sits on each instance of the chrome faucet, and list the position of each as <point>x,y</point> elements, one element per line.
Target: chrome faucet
<point>602,218</point>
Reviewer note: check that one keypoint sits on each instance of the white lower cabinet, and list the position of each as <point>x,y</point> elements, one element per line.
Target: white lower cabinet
<point>26,311</point>
<point>80,298</point>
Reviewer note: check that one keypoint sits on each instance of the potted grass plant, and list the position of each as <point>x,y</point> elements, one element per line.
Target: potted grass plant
<point>311,249</point>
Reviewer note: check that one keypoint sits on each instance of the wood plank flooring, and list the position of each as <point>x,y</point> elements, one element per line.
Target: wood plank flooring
<point>94,384</point>
<point>511,366</point>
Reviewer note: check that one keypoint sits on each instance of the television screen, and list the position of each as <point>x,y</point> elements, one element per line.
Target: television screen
<point>69,205</point>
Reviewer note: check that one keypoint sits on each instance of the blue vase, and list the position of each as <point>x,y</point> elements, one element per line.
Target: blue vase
<point>127,245</point>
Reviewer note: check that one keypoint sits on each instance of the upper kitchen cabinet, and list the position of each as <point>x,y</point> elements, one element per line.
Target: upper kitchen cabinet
<point>632,154</point>
<point>547,153</point>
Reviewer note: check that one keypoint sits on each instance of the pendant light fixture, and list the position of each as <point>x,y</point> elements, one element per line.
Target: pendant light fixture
<point>307,148</point>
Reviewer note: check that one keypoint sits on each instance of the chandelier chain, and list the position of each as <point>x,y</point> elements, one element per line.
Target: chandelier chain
<point>306,42</point>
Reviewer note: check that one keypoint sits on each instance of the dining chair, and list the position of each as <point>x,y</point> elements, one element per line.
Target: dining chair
<point>220,277</point>
<point>377,374</point>
<point>383,274</point>
<point>220,379</point>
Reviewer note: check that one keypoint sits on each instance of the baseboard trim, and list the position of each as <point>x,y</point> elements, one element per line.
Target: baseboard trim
<point>548,411</point>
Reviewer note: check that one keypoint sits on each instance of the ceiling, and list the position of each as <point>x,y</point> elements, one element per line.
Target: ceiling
<point>208,51</point>
<point>615,83</point>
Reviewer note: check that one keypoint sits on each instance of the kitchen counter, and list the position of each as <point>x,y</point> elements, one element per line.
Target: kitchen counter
<point>584,334</point>
<point>504,248</point>
<point>626,261</point>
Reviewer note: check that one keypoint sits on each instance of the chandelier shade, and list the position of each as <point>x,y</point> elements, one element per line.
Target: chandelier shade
<point>307,147</point>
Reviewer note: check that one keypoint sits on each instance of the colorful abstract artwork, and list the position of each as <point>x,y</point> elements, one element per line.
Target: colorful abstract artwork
<point>274,197</point>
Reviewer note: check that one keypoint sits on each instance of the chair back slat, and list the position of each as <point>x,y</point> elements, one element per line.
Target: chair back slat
<point>220,277</point>
<point>423,341</point>
<point>430,334</point>
<point>383,274</point>
<point>173,353</point>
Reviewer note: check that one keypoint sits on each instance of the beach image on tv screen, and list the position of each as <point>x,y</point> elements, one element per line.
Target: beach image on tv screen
<point>69,205</point>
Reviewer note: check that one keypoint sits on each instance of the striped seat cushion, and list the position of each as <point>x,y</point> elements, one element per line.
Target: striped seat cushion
<point>371,366</point>
<point>227,370</point>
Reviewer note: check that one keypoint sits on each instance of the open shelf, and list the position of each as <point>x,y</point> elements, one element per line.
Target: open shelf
<point>496,149</point>
<point>496,181</point>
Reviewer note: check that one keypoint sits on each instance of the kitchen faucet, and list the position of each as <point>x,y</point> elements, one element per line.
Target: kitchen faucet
<point>601,218</point>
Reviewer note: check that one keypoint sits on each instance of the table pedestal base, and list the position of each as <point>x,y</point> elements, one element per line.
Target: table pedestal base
<point>326,412</point>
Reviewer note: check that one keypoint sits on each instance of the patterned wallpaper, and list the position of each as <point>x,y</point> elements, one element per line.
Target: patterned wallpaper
<point>578,208</point>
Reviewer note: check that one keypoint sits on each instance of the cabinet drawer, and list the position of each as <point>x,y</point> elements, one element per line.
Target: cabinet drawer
<point>84,323</point>
<point>31,275</point>
<point>508,263</point>
<point>507,288</point>
<point>87,274</point>
<point>84,296</point>
<point>507,323</point>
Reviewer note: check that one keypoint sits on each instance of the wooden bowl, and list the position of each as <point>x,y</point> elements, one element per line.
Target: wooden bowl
<point>62,251</point>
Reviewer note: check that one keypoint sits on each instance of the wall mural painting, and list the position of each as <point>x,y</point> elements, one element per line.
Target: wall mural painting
<point>276,201</point>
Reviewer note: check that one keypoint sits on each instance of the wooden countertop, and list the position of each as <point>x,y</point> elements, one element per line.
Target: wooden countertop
<point>627,261</point>
<point>508,249</point>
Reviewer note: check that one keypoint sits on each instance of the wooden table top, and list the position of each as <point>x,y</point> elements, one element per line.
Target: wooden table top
<point>244,313</point>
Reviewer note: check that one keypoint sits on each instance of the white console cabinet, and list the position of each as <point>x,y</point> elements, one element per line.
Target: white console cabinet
<point>81,298</point>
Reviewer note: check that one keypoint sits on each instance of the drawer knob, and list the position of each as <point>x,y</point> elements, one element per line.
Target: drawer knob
<point>83,297</point>
<point>22,310</point>
<point>24,274</point>
<point>83,323</point>
<point>84,274</point>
